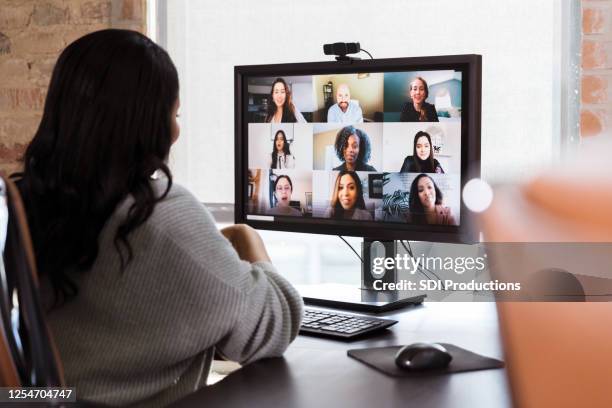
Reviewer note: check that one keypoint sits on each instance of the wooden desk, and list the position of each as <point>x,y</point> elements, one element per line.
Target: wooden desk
<point>317,372</point>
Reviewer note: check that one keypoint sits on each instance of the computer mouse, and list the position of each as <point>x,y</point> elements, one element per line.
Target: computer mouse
<point>422,356</point>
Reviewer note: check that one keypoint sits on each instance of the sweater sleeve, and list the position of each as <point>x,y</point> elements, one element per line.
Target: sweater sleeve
<point>251,312</point>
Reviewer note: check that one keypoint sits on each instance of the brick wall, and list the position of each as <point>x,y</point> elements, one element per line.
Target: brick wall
<point>32,34</point>
<point>596,86</point>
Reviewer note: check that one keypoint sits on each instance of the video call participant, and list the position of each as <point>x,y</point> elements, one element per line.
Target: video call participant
<point>353,148</point>
<point>422,160</point>
<point>347,199</point>
<point>281,156</point>
<point>283,187</point>
<point>426,203</point>
<point>141,286</point>
<point>417,110</point>
<point>281,108</point>
<point>345,110</point>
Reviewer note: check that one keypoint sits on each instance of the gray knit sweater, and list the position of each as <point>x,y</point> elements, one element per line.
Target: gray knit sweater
<point>148,335</point>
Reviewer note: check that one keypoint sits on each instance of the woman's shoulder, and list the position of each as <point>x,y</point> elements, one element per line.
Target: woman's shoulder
<point>179,209</point>
<point>407,165</point>
<point>366,167</point>
<point>361,214</point>
<point>407,106</point>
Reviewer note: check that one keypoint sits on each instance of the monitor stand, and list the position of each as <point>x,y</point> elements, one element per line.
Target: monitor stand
<point>364,298</point>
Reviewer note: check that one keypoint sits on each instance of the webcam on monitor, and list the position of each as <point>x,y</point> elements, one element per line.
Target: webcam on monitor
<point>341,49</point>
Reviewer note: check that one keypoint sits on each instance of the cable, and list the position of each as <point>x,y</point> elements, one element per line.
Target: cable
<point>367,53</point>
<point>350,246</point>
<point>410,253</point>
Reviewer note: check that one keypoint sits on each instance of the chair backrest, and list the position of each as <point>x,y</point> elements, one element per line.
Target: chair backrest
<point>28,356</point>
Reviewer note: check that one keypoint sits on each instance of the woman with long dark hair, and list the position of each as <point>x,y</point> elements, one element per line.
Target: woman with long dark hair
<point>426,203</point>
<point>281,108</point>
<point>347,199</point>
<point>142,287</point>
<point>281,155</point>
<point>422,159</point>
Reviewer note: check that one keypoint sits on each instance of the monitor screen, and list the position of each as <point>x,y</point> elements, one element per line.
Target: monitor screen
<point>378,148</point>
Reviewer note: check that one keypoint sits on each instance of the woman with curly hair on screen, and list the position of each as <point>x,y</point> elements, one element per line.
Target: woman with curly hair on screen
<point>353,148</point>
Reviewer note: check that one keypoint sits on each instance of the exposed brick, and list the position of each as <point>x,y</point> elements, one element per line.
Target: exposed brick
<point>15,16</point>
<point>33,33</point>
<point>131,10</point>
<point>12,99</point>
<point>46,14</point>
<point>5,44</point>
<point>38,42</point>
<point>12,153</point>
<point>14,71</point>
<point>78,32</point>
<point>93,12</point>
<point>593,54</point>
<point>19,129</point>
<point>8,168</point>
<point>594,89</point>
<point>40,70</point>
<point>592,21</point>
<point>591,123</point>
<point>597,18</point>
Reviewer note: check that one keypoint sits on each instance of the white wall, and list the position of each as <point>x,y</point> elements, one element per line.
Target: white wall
<point>207,38</point>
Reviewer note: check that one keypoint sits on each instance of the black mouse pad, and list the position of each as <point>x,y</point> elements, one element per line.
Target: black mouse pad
<point>383,359</point>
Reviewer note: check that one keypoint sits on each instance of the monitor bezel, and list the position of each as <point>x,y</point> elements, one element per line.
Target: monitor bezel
<point>471,67</point>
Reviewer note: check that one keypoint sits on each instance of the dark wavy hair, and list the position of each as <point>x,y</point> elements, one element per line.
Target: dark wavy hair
<point>106,128</point>
<point>429,165</point>
<point>365,149</point>
<point>288,107</point>
<point>417,212</point>
<point>285,148</point>
<point>337,209</point>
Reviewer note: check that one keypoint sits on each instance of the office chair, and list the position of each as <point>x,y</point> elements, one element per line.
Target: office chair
<point>28,357</point>
<point>32,358</point>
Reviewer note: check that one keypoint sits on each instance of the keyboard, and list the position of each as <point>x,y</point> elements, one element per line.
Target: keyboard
<point>319,322</point>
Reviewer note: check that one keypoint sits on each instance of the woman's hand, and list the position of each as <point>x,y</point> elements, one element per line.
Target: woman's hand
<point>247,242</point>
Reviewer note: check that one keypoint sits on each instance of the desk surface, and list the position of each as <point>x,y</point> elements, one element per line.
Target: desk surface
<point>317,372</point>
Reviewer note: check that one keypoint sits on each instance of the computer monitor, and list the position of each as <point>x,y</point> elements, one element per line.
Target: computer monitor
<point>373,148</point>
